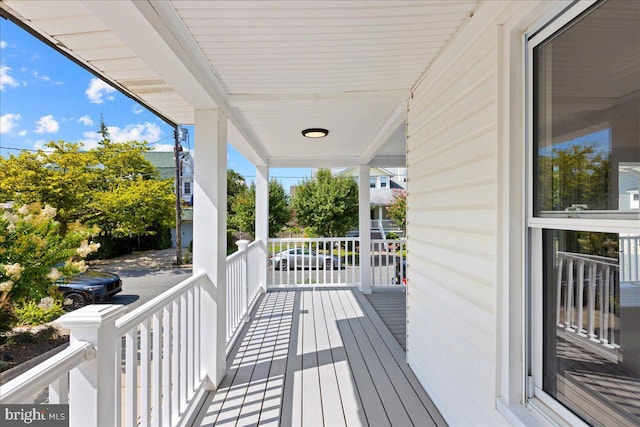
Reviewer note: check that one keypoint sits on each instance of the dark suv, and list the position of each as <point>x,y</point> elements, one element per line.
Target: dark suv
<point>89,287</point>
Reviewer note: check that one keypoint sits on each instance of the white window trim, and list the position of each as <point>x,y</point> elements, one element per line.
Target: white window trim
<point>542,402</point>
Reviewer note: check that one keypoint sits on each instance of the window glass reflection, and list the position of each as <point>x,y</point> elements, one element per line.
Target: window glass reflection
<point>592,324</point>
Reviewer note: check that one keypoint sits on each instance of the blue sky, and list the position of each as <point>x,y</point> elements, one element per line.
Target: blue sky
<point>45,96</point>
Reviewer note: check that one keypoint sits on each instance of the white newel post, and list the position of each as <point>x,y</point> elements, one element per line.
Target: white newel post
<point>365,228</point>
<point>262,222</point>
<point>92,384</point>
<point>210,239</point>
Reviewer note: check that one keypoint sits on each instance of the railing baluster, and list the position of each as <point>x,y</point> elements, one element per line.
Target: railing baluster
<point>559,288</point>
<point>592,302</point>
<point>145,374</point>
<point>605,306</point>
<point>189,343</point>
<point>167,361</point>
<point>183,353</point>
<point>175,362</point>
<point>119,365</point>
<point>580,285</point>
<point>131,392</point>
<point>156,369</point>
<point>59,390</point>
<point>569,302</point>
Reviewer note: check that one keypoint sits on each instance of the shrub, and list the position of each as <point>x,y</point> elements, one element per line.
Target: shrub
<point>31,314</point>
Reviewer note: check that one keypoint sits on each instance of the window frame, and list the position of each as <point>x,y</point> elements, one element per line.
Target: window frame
<point>534,225</point>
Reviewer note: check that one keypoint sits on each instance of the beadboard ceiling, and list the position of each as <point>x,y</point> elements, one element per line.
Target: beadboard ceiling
<point>274,67</point>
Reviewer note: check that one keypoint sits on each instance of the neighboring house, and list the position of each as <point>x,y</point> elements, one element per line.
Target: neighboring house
<point>165,162</point>
<point>384,186</point>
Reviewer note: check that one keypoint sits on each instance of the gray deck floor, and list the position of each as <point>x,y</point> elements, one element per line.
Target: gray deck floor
<point>314,358</point>
<point>391,307</point>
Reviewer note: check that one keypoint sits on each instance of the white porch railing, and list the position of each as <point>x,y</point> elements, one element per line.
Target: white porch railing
<point>388,262</point>
<point>334,261</point>
<point>594,317</point>
<point>242,285</point>
<point>320,261</point>
<point>141,368</point>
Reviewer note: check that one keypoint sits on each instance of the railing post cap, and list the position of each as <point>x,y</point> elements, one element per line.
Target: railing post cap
<point>242,244</point>
<point>91,315</point>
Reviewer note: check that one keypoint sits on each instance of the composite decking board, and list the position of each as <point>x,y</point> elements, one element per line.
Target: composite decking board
<point>369,395</point>
<point>214,401</point>
<point>332,412</point>
<point>311,397</point>
<point>350,401</point>
<point>245,362</point>
<point>391,402</point>
<point>291,413</point>
<point>413,405</point>
<point>254,397</point>
<point>391,308</point>
<point>317,357</point>
<point>270,414</point>
<point>400,356</point>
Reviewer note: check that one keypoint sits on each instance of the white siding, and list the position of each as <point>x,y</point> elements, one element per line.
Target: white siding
<point>453,137</point>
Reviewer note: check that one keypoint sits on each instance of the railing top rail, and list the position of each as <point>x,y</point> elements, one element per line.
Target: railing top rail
<point>234,256</point>
<point>590,258</point>
<point>313,239</point>
<point>401,240</point>
<point>253,244</point>
<point>24,386</point>
<point>147,309</point>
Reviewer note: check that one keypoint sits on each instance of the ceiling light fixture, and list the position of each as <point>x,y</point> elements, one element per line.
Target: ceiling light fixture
<point>315,133</point>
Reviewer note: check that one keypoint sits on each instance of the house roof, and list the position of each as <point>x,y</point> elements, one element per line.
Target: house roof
<point>382,196</point>
<point>164,161</point>
<point>274,69</point>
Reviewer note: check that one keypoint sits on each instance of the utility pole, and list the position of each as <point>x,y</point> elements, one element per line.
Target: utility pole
<point>177,151</point>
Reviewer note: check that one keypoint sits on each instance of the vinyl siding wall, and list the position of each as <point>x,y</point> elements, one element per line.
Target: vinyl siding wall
<point>453,151</point>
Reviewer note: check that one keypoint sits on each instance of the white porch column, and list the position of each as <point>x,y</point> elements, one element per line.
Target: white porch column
<point>365,229</point>
<point>210,238</point>
<point>262,221</point>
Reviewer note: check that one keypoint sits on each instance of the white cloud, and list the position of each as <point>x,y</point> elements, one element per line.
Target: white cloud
<point>149,132</point>
<point>45,78</point>
<point>162,147</point>
<point>6,79</point>
<point>3,44</point>
<point>41,145</point>
<point>8,122</point>
<point>97,90</point>
<point>22,133</point>
<point>137,109</point>
<point>86,120</point>
<point>47,124</point>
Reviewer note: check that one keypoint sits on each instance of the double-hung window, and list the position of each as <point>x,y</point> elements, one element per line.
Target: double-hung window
<point>583,224</point>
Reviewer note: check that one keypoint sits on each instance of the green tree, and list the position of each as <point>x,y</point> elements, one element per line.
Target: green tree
<point>244,206</point>
<point>112,186</point>
<point>326,205</point>
<point>398,210</point>
<point>576,175</point>
<point>235,185</point>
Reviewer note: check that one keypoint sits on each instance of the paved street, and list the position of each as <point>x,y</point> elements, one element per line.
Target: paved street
<point>144,275</point>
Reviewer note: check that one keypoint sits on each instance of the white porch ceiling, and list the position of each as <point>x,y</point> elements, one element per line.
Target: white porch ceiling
<point>274,67</point>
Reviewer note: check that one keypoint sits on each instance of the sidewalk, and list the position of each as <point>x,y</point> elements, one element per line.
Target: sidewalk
<point>144,260</point>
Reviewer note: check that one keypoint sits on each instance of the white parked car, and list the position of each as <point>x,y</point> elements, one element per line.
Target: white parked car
<point>304,258</point>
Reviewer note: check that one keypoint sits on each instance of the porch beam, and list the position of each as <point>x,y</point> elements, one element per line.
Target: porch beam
<point>395,120</point>
<point>262,221</point>
<point>209,238</point>
<point>364,211</point>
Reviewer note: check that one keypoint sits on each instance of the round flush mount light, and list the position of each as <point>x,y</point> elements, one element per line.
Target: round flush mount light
<point>315,133</point>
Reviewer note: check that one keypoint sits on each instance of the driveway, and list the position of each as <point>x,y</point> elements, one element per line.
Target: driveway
<point>145,275</point>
